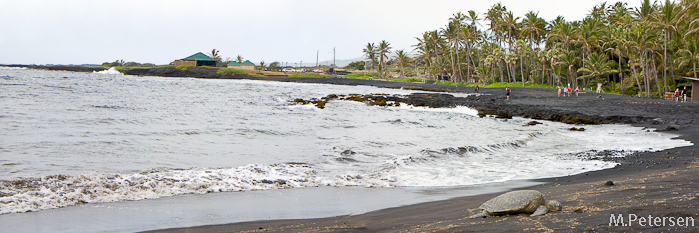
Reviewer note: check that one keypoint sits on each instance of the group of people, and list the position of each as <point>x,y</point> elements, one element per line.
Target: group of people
<point>681,96</point>
<point>567,91</point>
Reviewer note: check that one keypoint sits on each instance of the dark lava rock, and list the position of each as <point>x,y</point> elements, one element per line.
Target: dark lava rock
<point>673,128</point>
<point>657,121</point>
<point>609,183</point>
<point>533,123</point>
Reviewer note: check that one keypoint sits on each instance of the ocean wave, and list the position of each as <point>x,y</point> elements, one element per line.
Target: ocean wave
<point>112,70</point>
<point>33,194</point>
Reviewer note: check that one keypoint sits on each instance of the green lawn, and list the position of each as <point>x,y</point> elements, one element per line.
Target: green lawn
<point>307,76</point>
<point>496,85</point>
<point>230,71</point>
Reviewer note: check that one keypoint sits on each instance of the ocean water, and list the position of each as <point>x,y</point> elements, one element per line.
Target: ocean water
<point>70,141</point>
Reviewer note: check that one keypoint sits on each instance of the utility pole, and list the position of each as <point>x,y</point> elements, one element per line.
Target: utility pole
<point>317,51</point>
<point>334,66</point>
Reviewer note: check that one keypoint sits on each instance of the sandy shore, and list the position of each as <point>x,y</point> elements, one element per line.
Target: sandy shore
<point>664,185</point>
<point>659,186</point>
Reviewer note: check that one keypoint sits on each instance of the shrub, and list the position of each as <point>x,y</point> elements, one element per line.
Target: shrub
<point>230,71</point>
<point>307,76</point>
<point>184,67</point>
<point>409,80</point>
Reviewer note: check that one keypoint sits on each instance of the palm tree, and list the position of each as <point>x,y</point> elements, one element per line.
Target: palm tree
<point>239,59</point>
<point>451,34</point>
<point>383,50</point>
<point>570,59</point>
<point>690,14</point>
<point>519,49</point>
<point>597,65</point>
<point>214,54</point>
<point>553,55</point>
<point>534,28</point>
<point>562,31</point>
<point>262,65</point>
<point>543,60</point>
<point>435,40</point>
<point>483,72</point>
<point>494,15</point>
<point>402,60</point>
<point>690,55</point>
<point>667,19</point>
<point>589,31</point>
<point>643,41</point>
<point>465,32</point>
<point>473,18</point>
<point>370,53</point>
<point>457,20</point>
<point>511,26</point>
<point>619,19</point>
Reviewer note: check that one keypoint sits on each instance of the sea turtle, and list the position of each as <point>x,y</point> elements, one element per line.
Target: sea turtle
<point>516,202</point>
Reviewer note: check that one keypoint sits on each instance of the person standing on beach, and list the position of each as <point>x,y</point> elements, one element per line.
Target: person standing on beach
<point>476,88</point>
<point>508,92</point>
<point>559,91</point>
<point>565,91</point>
<point>576,91</point>
<point>677,95</point>
<point>570,92</point>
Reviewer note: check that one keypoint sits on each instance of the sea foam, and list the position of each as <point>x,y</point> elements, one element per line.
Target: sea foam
<point>112,70</point>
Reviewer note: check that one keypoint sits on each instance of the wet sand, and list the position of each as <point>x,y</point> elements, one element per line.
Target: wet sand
<point>661,184</point>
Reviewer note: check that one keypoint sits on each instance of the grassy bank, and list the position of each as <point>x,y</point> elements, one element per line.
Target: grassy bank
<point>307,76</point>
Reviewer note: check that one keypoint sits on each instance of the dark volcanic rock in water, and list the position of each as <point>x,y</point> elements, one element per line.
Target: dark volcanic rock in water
<point>533,123</point>
<point>64,68</point>
<point>673,127</point>
<point>432,100</point>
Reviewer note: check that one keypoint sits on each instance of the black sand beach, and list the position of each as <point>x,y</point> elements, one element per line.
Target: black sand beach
<point>659,186</point>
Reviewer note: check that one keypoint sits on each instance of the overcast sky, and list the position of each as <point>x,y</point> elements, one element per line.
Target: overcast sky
<point>161,31</point>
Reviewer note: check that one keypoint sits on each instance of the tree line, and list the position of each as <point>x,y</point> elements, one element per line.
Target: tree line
<point>645,50</point>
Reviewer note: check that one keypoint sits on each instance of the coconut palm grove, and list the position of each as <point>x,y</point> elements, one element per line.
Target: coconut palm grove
<point>645,51</point>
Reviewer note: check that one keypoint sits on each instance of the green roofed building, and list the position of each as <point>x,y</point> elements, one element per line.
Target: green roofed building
<point>234,65</point>
<point>198,59</point>
<point>247,65</point>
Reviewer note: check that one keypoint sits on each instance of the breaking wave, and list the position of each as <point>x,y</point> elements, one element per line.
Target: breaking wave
<point>112,70</point>
<point>32,194</point>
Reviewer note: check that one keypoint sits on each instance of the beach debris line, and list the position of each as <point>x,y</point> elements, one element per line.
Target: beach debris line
<point>517,202</point>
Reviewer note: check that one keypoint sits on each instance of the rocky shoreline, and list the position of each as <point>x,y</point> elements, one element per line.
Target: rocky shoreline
<point>660,183</point>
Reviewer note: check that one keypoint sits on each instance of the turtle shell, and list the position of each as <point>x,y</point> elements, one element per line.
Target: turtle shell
<point>521,201</point>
